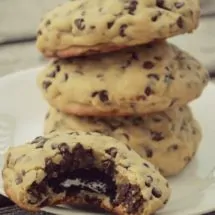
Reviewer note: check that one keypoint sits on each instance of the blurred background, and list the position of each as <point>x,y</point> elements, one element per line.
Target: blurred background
<point>19,20</point>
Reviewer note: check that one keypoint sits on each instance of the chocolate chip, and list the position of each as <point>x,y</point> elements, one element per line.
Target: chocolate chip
<point>108,167</point>
<point>130,196</point>
<point>110,24</point>
<point>157,136</point>
<point>141,97</point>
<point>160,3</point>
<point>39,141</point>
<point>66,76</point>
<point>46,84</point>
<point>149,91</point>
<point>126,136</point>
<point>148,65</point>
<point>18,180</point>
<point>92,27</point>
<point>58,68</point>
<point>179,5</point>
<point>92,200</point>
<point>146,165</point>
<point>80,24</point>
<point>39,33</point>
<point>52,74</point>
<point>122,30</point>
<point>47,115</point>
<point>63,148</point>
<point>166,201</point>
<point>155,17</point>
<point>126,64</point>
<point>155,119</point>
<point>187,159</point>
<point>112,152</point>
<point>155,76</point>
<point>158,58</point>
<point>103,95</point>
<point>173,147</point>
<point>149,181</point>
<point>128,147</point>
<point>156,192</point>
<point>48,22</point>
<point>134,56</point>
<point>180,22</point>
<point>149,152</point>
<point>132,7</point>
<point>136,121</point>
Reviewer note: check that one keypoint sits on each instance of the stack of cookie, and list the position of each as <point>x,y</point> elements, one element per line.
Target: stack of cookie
<point>115,74</point>
<point>118,95</point>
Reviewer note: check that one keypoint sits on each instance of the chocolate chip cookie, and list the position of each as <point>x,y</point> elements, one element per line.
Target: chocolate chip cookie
<point>85,26</point>
<point>137,80</point>
<point>79,167</point>
<point>169,139</point>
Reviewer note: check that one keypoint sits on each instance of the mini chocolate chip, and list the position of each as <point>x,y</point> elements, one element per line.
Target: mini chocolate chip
<point>173,147</point>
<point>58,68</point>
<point>155,76</point>
<point>148,65</point>
<point>48,22</point>
<point>179,5</point>
<point>180,22</point>
<point>110,24</point>
<point>148,91</point>
<point>47,115</point>
<point>66,76</point>
<point>149,181</point>
<point>157,136</point>
<point>46,84</point>
<point>149,152</point>
<point>156,192</point>
<point>122,30</point>
<point>39,141</point>
<point>112,152</point>
<point>80,24</point>
<point>126,64</point>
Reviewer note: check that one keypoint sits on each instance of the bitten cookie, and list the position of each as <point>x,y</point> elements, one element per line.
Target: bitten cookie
<point>78,167</point>
<point>138,80</point>
<point>85,26</point>
<point>169,139</point>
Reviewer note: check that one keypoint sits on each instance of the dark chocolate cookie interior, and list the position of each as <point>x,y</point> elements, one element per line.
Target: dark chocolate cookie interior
<point>80,171</point>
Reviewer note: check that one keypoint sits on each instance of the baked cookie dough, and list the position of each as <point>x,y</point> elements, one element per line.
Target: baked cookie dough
<point>78,167</point>
<point>138,80</point>
<point>169,139</point>
<point>86,27</point>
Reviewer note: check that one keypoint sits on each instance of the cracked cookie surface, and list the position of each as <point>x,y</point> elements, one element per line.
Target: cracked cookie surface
<point>138,80</point>
<point>169,139</point>
<point>86,27</point>
<point>83,167</point>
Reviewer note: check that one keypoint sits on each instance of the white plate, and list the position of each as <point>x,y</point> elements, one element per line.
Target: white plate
<point>22,111</point>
